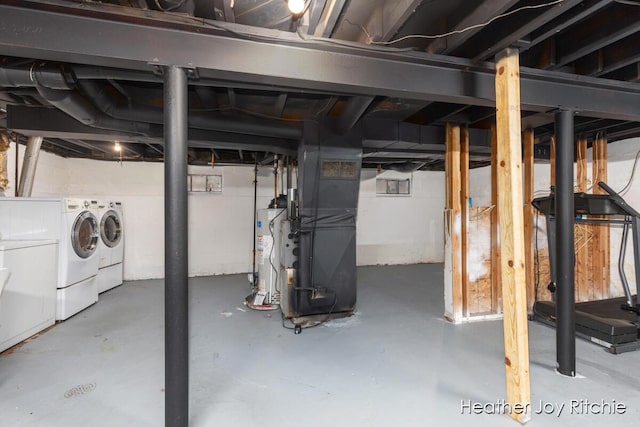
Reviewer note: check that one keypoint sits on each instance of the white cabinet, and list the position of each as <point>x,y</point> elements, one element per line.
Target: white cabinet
<point>28,301</point>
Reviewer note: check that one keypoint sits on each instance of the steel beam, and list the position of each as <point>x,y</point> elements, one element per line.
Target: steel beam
<point>565,217</point>
<point>33,32</point>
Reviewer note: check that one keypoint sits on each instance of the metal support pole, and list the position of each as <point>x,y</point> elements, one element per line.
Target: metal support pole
<point>176,243</point>
<point>551,242</point>
<point>17,166</point>
<point>29,165</point>
<point>621,257</point>
<point>254,282</point>
<point>635,228</point>
<point>565,298</point>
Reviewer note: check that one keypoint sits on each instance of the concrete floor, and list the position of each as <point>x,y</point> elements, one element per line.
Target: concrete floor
<point>395,363</point>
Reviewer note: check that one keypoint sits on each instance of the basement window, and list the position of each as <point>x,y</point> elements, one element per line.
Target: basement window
<point>204,183</point>
<point>400,187</point>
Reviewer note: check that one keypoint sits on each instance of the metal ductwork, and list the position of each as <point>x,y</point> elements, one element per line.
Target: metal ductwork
<point>82,110</point>
<point>120,110</point>
<point>49,76</point>
<point>56,87</point>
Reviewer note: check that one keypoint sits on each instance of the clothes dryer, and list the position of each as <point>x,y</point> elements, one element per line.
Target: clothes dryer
<point>110,245</point>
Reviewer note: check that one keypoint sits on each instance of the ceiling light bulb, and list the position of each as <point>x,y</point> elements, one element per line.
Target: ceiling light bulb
<point>117,146</point>
<point>296,7</point>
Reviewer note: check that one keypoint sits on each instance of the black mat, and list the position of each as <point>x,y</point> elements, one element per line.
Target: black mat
<point>609,308</point>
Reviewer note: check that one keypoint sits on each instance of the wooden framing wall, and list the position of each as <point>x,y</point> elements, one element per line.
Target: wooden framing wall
<point>453,226</point>
<point>468,271</point>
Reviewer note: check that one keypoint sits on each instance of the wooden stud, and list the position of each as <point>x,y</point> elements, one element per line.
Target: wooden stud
<point>601,246</point>
<point>453,220</point>
<point>605,243</point>
<point>496,280</point>
<point>464,211</point>
<point>582,231</point>
<point>510,201</point>
<point>596,265</point>
<point>528,211</point>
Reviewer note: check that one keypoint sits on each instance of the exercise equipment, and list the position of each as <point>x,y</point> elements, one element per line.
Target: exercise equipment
<point>613,323</point>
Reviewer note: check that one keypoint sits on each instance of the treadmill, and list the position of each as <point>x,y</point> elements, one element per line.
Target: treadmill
<point>613,323</point>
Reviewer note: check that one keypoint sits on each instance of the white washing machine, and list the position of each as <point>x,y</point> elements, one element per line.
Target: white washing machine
<point>110,245</point>
<point>78,267</point>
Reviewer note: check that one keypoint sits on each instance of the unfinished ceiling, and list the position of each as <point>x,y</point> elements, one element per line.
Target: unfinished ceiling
<point>93,85</point>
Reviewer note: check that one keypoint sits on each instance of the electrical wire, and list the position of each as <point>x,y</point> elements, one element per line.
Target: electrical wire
<point>463,30</point>
<point>350,44</point>
<point>306,38</point>
<point>627,187</point>
<point>482,212</point>
<point>628,2</point>
<point>322,322</point>
<point>170,8</point>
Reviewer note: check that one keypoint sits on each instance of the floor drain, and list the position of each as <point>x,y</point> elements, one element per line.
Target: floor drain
<point>80,389</point>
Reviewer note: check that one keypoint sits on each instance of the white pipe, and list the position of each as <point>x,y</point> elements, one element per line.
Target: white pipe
<point>29,164</point>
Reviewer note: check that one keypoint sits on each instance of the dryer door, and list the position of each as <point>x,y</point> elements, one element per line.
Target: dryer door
<point>84,234</point>
<point>111,229</point>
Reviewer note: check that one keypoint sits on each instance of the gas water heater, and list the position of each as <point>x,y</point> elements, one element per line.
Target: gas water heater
<point>266,294</point>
